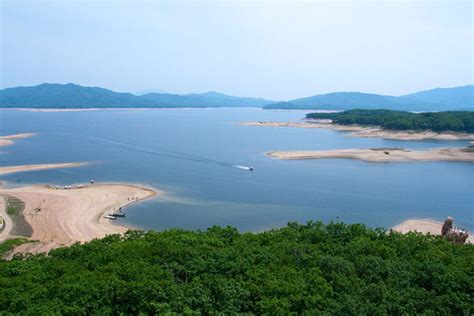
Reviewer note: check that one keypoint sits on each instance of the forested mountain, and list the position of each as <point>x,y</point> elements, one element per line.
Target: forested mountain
<point>459,98</point>
<point>68,96</point>
<point>348,100</point>
<point>451,121</point>
<point>312,269</point>
<point>75,96</point>
<point>208,99</point>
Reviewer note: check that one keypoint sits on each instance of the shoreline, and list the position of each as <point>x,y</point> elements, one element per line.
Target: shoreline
<point>367,132</point>
<point>424,226</point>
<point>60,217</point>
<point>380,154</point>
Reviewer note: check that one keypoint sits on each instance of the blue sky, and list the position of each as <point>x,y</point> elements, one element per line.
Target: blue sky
<point>277,50</point>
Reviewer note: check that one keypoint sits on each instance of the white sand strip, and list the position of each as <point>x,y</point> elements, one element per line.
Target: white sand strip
<point>24,168</point>
<point>381,154</point>
<point>8,139</point>
<point>362,131</point>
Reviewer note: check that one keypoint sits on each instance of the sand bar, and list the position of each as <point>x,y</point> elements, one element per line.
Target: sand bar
<point>8,139</point>
<point>381,154</point>
<point>62,217</point>
<point>361,131</point>
<point>423,226</point>
<point>24,168</point>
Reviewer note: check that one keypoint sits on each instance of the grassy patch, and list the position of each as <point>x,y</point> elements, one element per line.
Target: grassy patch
<point>14,206</point>
<point>9,244</point>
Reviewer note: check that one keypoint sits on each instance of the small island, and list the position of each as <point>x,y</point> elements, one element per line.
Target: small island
<point>440,122</point>
<point>396,125</point>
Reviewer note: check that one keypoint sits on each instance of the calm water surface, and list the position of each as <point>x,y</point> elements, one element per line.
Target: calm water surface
<point>192,153</point>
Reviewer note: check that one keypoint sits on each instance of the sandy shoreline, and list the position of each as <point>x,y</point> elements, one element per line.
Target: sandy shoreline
<point>24,168</point>
<point>423,226</point>
<point>7,223</point>
<point>381,154</point>
<point>361,131</point>
<point>63,217</point>
<point>9,139</point>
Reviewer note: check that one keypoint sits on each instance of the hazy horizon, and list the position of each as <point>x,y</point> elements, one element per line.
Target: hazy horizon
<point>277,51</point>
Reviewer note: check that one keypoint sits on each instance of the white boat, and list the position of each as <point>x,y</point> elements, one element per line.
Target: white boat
<point>110,216</point>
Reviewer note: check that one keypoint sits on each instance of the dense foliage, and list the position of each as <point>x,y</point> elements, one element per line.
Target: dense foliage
<point>457,121</point>
<point>9,244</point>
<point>314,268</point>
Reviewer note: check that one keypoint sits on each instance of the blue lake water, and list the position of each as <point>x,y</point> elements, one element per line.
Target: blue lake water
<point>191,153</point>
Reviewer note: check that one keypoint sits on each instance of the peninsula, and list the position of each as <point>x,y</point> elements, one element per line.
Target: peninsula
<point>396,125</point>
<point>61,217</point>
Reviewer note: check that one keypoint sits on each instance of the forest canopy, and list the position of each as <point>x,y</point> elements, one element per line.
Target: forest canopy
<point>455,121</point>
<point>313,268</point>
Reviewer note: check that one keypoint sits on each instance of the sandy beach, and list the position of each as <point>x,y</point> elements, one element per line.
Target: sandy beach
<point>9,139</point>
<point>423,226</point>
<point>361,131</point>
<point>63,217</point>
<point>7,223</point>
<point>24,168</point>
<point>381,154</point>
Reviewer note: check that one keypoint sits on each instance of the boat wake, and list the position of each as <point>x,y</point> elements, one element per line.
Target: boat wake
<point>175,155</point>
<point>243,167</point>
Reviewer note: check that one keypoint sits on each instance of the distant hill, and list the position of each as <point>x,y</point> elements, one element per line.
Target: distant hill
<point>208,99</point>
<point>143,92</point>
<point>74,96</point>
<point>459,98</point>
<point>68,96</point>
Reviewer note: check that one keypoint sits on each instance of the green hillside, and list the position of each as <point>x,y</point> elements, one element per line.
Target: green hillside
<point>313,269</point>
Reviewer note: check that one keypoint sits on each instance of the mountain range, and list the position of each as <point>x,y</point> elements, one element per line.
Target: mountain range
<point>75,96</point>
<point>440,99</point>
<point>70,95</point>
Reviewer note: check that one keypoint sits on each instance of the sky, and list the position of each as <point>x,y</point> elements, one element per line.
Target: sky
<point>272,49</point>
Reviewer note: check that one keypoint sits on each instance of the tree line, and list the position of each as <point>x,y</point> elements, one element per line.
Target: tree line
<point>314,269</point>
<point>455,121</point>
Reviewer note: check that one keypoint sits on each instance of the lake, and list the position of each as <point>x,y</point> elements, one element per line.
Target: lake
<point>192,154</point>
